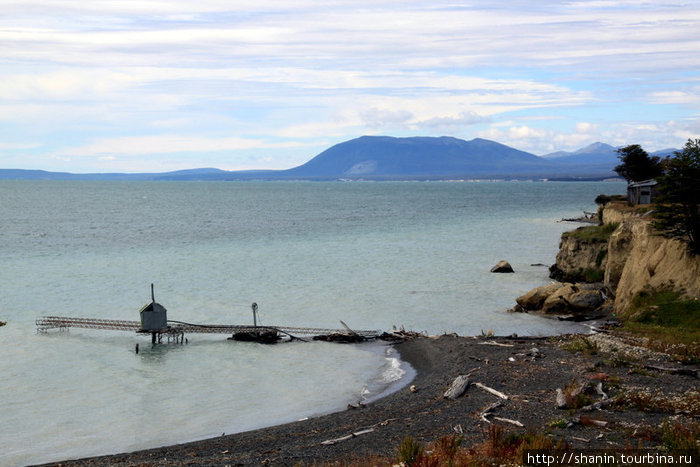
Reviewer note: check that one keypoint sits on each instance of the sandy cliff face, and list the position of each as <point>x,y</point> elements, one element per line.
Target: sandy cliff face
<point>580,259</point>
<point>638,259</point>
<point>615,213</point>
<point>576,255</point>
<point>634,259</point>
<point>627,259</point>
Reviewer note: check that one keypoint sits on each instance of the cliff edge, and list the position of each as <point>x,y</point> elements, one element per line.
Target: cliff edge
<point>627,257</point>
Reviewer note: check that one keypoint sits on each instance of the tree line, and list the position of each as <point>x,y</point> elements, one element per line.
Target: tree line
<point>677,208</point>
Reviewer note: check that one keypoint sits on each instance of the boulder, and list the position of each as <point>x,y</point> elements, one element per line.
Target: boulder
<point>502,266</point>
<point>585,300</point>
<point>557,302</point>
<point>534,299</point>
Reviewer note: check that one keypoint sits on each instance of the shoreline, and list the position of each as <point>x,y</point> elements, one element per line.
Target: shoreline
<point>508,364</point>
<point>391,355</point>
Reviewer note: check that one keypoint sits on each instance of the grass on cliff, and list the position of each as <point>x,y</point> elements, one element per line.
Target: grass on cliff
<point>669,322</point>
<point>593,233</point>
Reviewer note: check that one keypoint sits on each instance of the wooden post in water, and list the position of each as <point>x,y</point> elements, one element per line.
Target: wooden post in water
<point>255,314</point>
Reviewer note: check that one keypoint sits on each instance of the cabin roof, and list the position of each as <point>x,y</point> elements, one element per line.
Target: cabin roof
<point>644,183</point>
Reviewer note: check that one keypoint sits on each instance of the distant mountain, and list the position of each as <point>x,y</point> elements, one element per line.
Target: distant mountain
<point>663,153</point>
<point>390,158</point>
<point>20,174</point>
<point>385,156</point>
<point>596,153</point>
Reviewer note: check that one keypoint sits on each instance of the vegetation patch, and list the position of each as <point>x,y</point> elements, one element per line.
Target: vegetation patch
<point>681,437</point>
<point>499,448</point>
<point>657,401</point>
<point>668,322</point>
<point>593,233</point>
<point>581,344</point>
<point>600,257</point>
<point>589,275</point>
<point>559,423</point>
<point>604,199</point>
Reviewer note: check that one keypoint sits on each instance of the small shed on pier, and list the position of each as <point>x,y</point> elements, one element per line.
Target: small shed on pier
<point>154,317</point>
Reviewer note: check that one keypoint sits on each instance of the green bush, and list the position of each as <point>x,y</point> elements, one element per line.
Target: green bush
<point>679,437</point>
<point>593,233</point>
<point>670,322</point>
<point>410,451</point>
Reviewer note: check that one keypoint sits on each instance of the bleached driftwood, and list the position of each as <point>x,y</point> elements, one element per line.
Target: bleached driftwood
<point>598,405</point>
<point>329,442</point>
<point>581,439</point>
<point>561,399</point>
<point>599,390</point>
<point>508,420</point>
<point>487,411</point>
<point>496,343</point>
<point>491,390</point>
<point>457,388</point>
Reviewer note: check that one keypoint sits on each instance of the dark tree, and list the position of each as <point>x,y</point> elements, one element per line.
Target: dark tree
<point>636,165</point>
<point>677,210</point>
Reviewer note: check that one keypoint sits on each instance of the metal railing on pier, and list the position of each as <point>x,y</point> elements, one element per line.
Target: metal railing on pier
<point>59,322</point>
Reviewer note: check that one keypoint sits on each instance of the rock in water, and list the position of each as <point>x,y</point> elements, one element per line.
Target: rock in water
<point>502,266</point>
<point>534,299</point>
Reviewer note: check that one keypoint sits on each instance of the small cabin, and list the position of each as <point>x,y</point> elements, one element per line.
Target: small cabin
<point>154,317</point>
<point>642,192</point>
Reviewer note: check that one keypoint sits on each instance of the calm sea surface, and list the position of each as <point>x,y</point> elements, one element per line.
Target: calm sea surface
<point>374,255</point>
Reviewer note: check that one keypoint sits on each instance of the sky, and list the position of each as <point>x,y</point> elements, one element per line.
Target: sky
<point>161,85</point>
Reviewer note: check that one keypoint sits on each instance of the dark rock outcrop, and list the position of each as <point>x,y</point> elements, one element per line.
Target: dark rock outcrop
<point>502,266</point>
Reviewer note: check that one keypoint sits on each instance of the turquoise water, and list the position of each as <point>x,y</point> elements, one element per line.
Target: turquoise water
<point>374,255</point>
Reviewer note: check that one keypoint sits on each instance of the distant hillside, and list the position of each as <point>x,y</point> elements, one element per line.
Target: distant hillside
<point>390,158</point>
<point>596,153</point>
<point>385,156</point>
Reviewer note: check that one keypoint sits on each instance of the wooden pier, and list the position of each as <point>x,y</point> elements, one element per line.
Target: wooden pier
<point>177,329</point>
<point>154,321</point>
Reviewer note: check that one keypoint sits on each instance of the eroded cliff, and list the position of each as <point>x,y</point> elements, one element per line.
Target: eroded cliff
<point>638,259</point>
<point>622,257</point>
<point>632,257</point>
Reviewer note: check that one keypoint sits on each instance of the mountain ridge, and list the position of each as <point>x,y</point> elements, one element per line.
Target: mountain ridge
<point>395,158</point>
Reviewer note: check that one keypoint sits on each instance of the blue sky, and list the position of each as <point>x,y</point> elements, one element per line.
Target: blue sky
<point>158,85</point>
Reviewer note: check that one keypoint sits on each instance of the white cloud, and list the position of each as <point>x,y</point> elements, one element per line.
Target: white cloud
<point>586,127</point>
<point>380,118</point>
<point>163,144</point>
<point>77,84</point>
<point>687,97</point>
<point>238,75</point>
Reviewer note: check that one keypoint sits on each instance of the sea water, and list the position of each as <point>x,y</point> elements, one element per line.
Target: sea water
<point>375,255</point>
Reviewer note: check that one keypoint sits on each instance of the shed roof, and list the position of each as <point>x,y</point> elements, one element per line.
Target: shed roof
<point>644,183</point>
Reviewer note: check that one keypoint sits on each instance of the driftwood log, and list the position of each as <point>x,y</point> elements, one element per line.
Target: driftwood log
<point>487,411</point>
<point>347,437</point>
<point>508,420</point>
<point>561,399</point>
<point>491,390</point>
<point>457,388</point>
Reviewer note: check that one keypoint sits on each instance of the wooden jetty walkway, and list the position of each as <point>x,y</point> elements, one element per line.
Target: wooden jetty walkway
<point>154,321</point>
<point>176,328</point>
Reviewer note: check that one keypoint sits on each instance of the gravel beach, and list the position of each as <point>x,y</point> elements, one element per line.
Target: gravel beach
<point>527,370</point>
